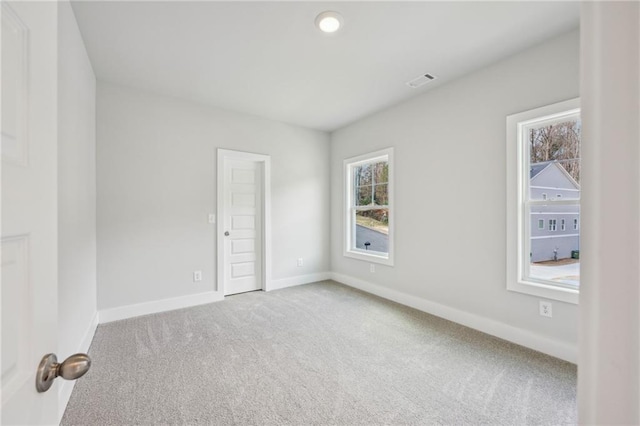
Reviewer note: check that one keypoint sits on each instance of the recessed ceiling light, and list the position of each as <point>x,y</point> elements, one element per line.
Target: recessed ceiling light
<point>329,22</point>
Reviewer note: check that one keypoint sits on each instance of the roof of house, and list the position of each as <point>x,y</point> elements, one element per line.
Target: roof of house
<point>536,168</point>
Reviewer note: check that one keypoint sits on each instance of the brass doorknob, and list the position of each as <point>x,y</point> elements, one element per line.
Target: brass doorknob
<point>71,368</point>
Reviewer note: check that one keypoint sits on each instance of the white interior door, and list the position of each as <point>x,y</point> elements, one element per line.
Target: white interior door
<point>242,225</point>
<point>29,206</point>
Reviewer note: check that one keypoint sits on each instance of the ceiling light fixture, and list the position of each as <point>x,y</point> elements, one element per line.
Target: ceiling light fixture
<point>329,22</point>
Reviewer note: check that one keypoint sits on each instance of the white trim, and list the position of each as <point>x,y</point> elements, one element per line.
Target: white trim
<point>156,306</point>
<point>539,237</point>
<point>554,202</point>
<point>518,219</point>
<point>499,329</point>
<point>66,386</point>
<point>224,154</point>
<point>554,188</point>
<point>299,280</point>
<point>387,155</point>
<point>554,213</point>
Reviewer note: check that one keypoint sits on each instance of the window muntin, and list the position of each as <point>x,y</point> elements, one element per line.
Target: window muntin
<point>531,252</point>
<point>368,200</point>
<point>552,224</point>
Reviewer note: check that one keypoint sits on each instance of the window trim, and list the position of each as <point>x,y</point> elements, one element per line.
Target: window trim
<point>516,220</point>
<point>347,231</point>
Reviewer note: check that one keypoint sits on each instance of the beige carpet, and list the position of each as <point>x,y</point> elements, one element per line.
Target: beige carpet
<point>319,354</point>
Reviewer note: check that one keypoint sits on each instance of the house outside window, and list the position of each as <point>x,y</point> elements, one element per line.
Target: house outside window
<point>369,207</point>
<point>540,223</point>
<point>543,151</point>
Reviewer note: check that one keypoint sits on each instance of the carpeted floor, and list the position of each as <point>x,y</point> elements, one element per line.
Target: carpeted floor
<point>319,354</point>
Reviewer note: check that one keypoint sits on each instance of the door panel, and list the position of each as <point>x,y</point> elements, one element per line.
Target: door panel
<point>243,221</point>
<point>29,207</point>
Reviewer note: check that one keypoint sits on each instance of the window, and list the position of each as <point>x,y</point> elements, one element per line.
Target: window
<point>369,207</point>
<point>540,223</point>
<point>543,152</point>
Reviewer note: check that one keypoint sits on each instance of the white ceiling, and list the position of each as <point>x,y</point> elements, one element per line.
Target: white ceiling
<point>268,59</point>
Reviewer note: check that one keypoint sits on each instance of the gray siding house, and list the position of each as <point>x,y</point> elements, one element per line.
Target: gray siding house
<point>555,229</point>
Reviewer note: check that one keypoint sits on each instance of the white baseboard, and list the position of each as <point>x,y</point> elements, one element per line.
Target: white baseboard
<point>66,387</point>
<point>130,311</point>
<point>486,325</point>
<point>298,280</point>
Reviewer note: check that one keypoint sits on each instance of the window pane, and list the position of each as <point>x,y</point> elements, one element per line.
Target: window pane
<point>372,230</point>
<point>362,175</point>
<point>362,196</point>
<point>554,161</point>
<point>381,172</point>
<point>381,197</point>
<point>555,252</point>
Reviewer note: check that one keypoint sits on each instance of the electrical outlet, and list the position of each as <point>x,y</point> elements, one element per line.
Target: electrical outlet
<point>546,309</point>
<point>300,262</point>
<point>372,268</point>
<point>197,276</point>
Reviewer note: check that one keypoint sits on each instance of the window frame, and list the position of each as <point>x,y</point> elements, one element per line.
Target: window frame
<point>518,221</point>
<point>387,155</point>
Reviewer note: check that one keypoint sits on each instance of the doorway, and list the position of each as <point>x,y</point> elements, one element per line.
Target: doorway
<point>243,231</point>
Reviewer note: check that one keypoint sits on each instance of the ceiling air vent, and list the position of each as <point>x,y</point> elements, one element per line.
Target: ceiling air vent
<point>419,81</point>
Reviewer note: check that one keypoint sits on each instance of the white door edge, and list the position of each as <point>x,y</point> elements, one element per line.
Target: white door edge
<point>227,154</point>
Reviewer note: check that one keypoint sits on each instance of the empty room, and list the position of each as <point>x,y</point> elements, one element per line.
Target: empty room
<point>320,213</point>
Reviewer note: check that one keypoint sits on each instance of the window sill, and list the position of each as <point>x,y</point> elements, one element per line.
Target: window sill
<point>368,257</point>
<point>546,291</point>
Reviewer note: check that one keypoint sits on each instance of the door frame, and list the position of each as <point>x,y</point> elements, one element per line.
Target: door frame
<point>265,160</point>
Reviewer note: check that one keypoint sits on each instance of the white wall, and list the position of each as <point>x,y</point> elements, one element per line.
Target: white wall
<point>76,192</point>
<point>609,373</point>
<point>157,184</point>
<point>450,185</point>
